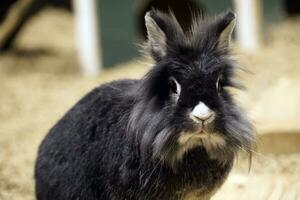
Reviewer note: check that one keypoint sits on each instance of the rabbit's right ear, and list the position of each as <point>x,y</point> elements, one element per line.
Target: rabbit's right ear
<point>162,31</point>
<point>157,41</point>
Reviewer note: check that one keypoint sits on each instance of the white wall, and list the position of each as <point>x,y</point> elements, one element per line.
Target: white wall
<point>87,36</point>
<point>248,26</point>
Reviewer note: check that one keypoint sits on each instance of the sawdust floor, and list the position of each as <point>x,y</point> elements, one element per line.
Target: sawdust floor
<point>40,81</point>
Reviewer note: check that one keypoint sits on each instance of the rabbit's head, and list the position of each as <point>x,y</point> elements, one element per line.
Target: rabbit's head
<point>183,101</point>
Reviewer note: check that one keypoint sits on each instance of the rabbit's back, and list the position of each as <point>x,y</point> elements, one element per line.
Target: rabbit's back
<point>85,146</point>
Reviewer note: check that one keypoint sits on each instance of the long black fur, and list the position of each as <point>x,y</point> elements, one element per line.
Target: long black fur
<point>120,140</point>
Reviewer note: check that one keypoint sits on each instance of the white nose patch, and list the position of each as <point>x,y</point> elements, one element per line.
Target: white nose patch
<point>201,111</point>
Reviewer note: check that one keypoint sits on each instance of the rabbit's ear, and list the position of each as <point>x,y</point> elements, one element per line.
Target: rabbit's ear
<point>157,40</point>
<point>162,31</point>
<point>225,26</point>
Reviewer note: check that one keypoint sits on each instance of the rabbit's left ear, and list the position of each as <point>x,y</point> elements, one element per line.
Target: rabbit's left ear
<point>225,26</point>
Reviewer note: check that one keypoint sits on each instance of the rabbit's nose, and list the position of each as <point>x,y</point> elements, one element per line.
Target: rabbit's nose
<point>201,112</point>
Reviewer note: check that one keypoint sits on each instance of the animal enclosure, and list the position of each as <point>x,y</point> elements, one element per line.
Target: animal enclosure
<point>40,80</point>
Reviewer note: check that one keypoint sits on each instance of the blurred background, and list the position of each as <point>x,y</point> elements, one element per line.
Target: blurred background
<point>52,52</point>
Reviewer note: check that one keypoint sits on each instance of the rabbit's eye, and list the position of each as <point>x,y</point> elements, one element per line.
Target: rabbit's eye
<point>174,86</point>
<point>218,86</point>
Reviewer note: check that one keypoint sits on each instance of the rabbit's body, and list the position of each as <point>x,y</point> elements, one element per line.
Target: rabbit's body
<point>170,135</point>
<point>87,156</point>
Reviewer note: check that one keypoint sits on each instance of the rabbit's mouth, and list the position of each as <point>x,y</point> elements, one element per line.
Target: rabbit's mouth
<point>210,141</point>
<point>202,135</point>
<point>202,130</point>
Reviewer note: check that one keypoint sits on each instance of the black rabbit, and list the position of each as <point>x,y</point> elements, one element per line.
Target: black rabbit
<point>171,135</point>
